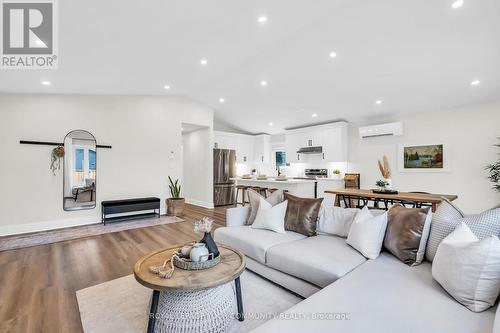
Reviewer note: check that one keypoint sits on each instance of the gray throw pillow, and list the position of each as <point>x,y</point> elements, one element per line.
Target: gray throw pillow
<point>275,198</point>
<point>482,225</point>
<point>441,226</point>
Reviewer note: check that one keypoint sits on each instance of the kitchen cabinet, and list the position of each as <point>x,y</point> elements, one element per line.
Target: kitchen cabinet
<point>245,146</point>
<point>244,149</point>
<point>331,137</point>
<point>262,148</point>
<point>335,143</point>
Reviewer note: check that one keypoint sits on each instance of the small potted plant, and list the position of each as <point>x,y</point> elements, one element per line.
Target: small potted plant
<point>337,174</point>
<point>175,204</point>
<point>381,184</point>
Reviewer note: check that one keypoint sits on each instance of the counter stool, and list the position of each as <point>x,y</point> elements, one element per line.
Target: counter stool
<point>261,190</point>
<point>243,189</point>
<point>271,190</point>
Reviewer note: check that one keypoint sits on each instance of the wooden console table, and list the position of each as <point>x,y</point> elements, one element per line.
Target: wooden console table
<point>419,199</point>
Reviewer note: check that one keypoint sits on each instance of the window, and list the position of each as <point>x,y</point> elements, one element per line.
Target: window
<point>280,158</point>
<point>79,159</point>
<point>91,160</point>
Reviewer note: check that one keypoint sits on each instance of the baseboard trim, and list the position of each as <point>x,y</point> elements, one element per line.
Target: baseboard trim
<point>16,229</point>
<point>25,228</point>
<point>200,203</point>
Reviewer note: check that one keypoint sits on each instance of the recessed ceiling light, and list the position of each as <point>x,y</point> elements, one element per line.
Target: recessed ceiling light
<point>262,19</point>
<point>221,100</point>
<point>457,4</point>
<point>332,54</point>
<point>314,115</point>
<point>46,83</point>
<point>378,102</point>
<point>271,124</point>
<point>182,128</point>
<point>475,83</point>
<point>263,83</point>
<point>166,87</point>
<point>203,62</point>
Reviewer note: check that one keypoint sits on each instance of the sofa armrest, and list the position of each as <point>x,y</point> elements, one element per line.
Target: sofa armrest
<point>237,216</point>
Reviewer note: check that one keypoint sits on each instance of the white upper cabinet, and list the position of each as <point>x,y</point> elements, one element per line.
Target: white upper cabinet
<point>335,143</point>
<point>243,144</point>
<point>331,137</point>
<point>262,148</point>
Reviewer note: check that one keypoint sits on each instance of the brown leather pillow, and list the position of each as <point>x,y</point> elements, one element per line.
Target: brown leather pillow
<point>302,214</point>
<point>407,233</point>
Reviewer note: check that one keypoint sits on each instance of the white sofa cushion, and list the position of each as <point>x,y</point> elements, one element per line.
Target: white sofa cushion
<point>335,220</point>
<point>469,269</point>
<point>367,233</point>
<point>270,217</point>
<point>253,242</point>
<point>380,296</point>
<point>318,259</point>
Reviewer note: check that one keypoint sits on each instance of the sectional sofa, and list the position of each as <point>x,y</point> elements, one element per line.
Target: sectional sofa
<point>344,292</point>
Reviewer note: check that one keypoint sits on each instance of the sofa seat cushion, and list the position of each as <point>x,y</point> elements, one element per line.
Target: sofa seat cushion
<point>253,242</point>
<point>319,260</point>
<point>384,295</point>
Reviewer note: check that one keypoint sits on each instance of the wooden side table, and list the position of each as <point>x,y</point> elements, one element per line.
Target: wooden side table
<point>229,269</point>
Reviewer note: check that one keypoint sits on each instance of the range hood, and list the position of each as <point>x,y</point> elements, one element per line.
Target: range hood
<point>310,150</point>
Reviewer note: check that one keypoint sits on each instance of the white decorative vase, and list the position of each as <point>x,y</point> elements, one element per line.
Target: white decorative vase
<point>389,183</point>
<point>337,176</point>
<point>199,252</point>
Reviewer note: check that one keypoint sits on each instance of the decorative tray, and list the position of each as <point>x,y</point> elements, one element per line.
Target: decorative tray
<point>385,191</point>
<point>281,179</point>
<point>187,264</point>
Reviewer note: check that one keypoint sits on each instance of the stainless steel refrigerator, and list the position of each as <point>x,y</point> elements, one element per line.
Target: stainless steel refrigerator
<point>224,170</point>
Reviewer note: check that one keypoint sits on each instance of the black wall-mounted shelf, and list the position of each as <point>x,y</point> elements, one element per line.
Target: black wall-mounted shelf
<point>44,143</point>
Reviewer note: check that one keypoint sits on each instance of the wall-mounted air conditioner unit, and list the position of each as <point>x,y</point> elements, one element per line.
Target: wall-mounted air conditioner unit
<point>389,129</point>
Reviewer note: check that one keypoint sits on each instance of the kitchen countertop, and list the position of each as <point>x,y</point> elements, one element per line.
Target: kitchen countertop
<point>273,180</point>
<point>290,179</point>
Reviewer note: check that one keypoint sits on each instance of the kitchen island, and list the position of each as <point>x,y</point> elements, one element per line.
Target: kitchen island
<point>304,188</point>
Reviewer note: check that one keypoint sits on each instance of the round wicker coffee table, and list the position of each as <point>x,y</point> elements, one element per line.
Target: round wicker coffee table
<point>207,289</point>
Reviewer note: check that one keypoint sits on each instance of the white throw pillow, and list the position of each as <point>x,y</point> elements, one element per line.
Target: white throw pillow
<point>469,269</point>
<point>254,198</point>
<point>269,217</point>
<point>336,220</point>
<point>367,233</point>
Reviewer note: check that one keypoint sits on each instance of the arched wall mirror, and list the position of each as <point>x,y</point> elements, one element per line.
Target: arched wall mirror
<point>80,170</point>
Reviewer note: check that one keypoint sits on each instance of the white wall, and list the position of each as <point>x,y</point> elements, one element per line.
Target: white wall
<point>142,130</point>
<point>198,167</point>
<point>470,132</point>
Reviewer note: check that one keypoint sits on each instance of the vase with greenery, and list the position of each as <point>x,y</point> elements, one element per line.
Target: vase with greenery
<point>494,170</point>
<point>205,225</point>
<point>175,204</point>
<point>385,170</point>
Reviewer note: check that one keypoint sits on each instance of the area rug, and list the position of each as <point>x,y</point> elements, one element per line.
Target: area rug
<point>122,305</point>
<point>59,235</point>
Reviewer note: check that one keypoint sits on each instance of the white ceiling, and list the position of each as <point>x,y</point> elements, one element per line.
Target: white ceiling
<point>418,55</point>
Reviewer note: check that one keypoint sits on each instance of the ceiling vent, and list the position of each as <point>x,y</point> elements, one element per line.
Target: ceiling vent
<point>389,129</point>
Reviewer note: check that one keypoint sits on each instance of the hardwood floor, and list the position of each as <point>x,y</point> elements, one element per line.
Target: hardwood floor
<point>38,284</point>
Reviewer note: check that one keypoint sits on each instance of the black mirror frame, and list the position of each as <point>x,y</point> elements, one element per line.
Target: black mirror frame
<point>64,173</point>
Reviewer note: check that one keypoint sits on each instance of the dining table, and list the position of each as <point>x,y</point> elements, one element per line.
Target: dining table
<point>418,199</point>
